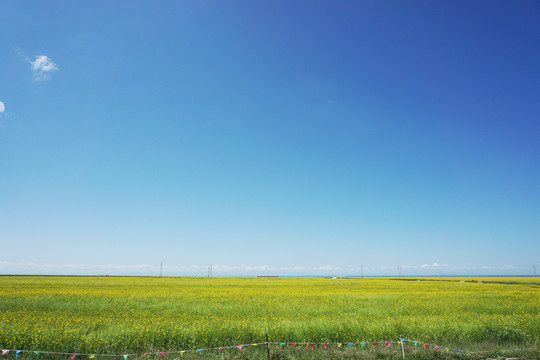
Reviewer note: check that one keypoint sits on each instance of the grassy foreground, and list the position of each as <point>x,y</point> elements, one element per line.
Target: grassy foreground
<point>135,315</point>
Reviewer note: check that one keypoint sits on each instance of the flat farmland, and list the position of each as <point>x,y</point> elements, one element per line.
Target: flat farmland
<point>119,315</point>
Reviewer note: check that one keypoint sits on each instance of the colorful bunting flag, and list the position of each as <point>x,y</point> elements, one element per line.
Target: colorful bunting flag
<point>308,345</point>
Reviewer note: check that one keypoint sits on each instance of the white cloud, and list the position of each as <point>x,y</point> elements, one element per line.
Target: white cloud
<point>435,264</point>
<point>42,67</point>
<point>2,107</point>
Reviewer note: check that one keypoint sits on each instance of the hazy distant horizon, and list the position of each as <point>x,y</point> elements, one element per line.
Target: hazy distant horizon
<point>250,270</point>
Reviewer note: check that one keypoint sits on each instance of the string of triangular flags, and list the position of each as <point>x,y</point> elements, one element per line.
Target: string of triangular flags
<point>310,345</point>
<point>374,344</point>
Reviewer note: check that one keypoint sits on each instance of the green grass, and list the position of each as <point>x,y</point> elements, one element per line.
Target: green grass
<point>119,315</point>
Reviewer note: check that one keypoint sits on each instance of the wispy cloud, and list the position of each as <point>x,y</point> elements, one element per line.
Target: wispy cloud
<point>42,67</point>
<point>492,267</point>
<point>2,107</point>
<point>250,270</point>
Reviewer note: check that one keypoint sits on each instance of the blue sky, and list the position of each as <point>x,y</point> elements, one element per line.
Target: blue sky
<point>270,137</point>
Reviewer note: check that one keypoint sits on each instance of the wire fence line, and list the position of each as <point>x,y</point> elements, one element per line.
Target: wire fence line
<point>309,345</point>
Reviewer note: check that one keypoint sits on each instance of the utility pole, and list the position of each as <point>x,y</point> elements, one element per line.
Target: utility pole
<point>534,268</point>
<point>161,269</point>
<point>362,269</point>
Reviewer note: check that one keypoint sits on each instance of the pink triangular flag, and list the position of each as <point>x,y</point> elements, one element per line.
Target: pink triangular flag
<point>325,345</point>
<point>4,352</point>
<point>436,347</point>
<point>239,347</point>
<point>387,344</point>
<point>73,356</point>
<point>163,353</point>
<point>311,346</point>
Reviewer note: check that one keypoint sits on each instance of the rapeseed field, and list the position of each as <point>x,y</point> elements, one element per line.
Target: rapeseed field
<point>142,314</point>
